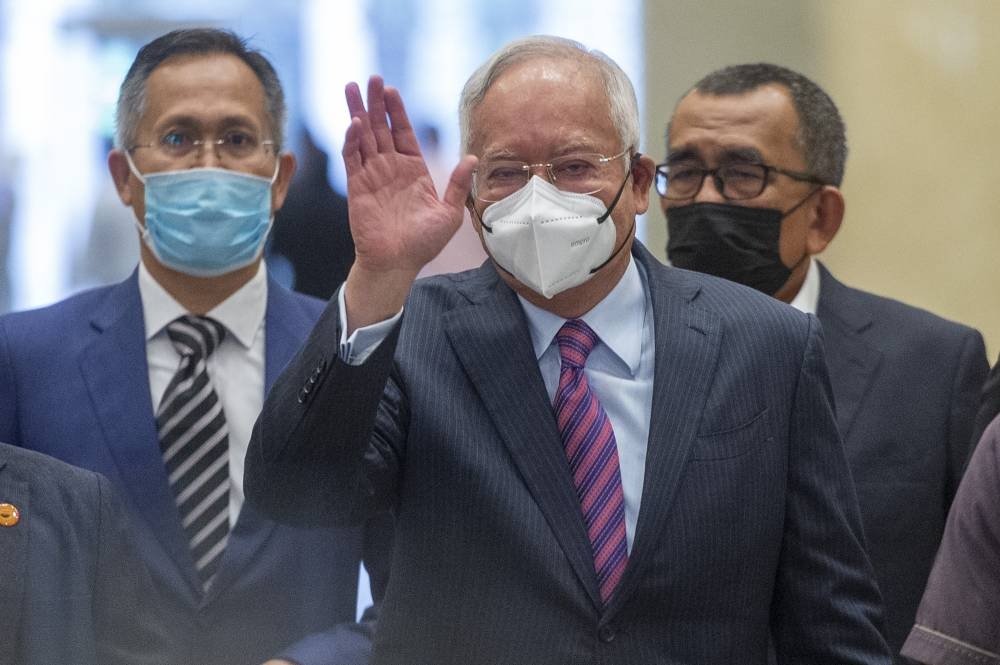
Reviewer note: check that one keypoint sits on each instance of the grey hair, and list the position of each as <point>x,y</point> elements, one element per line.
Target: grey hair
<point>198,41</point>
<point>623,107</point>
<point>821,134</point>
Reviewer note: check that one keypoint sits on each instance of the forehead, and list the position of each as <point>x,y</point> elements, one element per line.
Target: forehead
<point>542,107</point>
<point>762,121</point>
<point>205,90</point>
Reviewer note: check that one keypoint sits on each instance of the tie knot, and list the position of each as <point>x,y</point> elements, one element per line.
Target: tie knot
<point>195,335</point>
<point>576,341</point>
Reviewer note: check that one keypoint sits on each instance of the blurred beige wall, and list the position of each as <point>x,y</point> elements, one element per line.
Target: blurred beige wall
<point>917,84</point>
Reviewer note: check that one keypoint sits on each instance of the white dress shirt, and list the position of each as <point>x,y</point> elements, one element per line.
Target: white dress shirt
<point>236,368</point>
<point>807,299</point>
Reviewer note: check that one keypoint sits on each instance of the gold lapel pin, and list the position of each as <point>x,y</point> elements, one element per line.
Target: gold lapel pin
<point>9,514</point>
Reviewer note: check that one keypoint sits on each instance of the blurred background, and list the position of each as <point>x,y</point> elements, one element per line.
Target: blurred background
<point>914,80</point>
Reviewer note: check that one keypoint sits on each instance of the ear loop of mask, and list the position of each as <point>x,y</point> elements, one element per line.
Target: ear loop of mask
<point>805,255</point>
<point>631,165</point>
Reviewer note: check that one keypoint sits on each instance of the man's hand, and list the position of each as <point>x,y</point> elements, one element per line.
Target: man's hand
<point>397,220</point>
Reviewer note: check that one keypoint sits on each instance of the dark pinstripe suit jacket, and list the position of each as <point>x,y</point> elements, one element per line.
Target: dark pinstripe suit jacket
<point>748,523</point>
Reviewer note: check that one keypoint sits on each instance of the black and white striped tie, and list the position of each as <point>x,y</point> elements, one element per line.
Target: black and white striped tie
<point>195,443</point>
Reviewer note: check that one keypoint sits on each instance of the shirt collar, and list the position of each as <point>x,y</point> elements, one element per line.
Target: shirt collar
<point>807,299</point>
<point>617,320</point>
<point>242,313</point>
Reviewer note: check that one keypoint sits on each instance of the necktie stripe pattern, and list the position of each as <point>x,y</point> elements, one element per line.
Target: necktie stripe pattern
<point>592,452</point>
<point>194,440</point>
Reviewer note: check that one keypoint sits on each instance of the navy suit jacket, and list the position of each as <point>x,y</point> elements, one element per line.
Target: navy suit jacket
<point>748,525</point>
<point>74,384</point>
<point>73,589</point>
<point>906,384</point>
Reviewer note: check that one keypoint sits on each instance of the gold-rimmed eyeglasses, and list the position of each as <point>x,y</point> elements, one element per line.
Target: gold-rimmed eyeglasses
<point>581,173</point>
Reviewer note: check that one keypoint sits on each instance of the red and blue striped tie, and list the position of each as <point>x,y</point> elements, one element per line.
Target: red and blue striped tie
<point>590,447</point>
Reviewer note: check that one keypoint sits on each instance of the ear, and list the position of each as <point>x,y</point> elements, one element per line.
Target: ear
<point>642,179</point>
<point>829,213</point>
<point>279,190</point>
<point>120,174</point>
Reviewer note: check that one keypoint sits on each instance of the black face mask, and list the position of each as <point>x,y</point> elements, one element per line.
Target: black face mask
<point>735,242</point>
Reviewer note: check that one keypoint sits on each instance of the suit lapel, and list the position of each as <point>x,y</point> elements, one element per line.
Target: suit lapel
<point>14,543</point>
<point>687,343</point>
<point>286,325</point>
<point>491,338</point>
<point>116,373</point>
<point>852,362</point>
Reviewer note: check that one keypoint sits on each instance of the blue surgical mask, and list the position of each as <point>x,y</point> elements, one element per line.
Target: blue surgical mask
<point>206,222</point>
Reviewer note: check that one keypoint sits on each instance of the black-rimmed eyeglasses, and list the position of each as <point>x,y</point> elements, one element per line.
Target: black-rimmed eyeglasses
<point>736,182</point>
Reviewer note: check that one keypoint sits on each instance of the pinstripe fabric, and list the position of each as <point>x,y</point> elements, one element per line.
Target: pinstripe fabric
<point>747,526</point>
<point>593,456</point>
<point>194,440</point>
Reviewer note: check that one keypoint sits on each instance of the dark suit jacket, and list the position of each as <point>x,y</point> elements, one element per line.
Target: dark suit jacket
<point>73,589</point>
<point>906,385</point>
<point>748,520</point>
<point>989,405</point>
<point>74,384</point>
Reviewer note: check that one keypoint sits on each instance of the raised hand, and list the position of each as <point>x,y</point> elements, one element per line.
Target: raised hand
<point>397,220</point>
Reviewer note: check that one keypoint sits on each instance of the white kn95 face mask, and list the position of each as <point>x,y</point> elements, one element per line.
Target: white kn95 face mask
<point>550,240</point>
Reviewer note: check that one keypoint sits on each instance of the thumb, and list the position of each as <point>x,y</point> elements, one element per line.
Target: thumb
<point>460,183</point>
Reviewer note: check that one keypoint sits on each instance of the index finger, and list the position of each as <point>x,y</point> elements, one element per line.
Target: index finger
<point>355,105</point>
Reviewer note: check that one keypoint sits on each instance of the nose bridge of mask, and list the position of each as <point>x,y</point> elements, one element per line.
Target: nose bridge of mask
<point>537,197</point>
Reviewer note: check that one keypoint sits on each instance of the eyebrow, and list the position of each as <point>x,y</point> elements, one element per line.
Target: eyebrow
<point>577,148</point>
<point>728,156</point>
<point>684,155</point>
<point>186,120</point>
<point>742,155</point>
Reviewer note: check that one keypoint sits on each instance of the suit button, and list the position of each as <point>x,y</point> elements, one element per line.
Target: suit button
<point>606,634</point>
<point>9,514</point>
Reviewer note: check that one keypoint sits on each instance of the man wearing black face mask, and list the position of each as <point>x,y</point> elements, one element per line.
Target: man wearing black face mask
<point>751,192</point>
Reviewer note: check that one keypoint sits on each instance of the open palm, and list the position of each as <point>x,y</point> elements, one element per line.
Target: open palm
<point>397,220</point>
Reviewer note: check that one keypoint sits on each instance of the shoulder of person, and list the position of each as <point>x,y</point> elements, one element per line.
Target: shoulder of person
<point>891,316</point>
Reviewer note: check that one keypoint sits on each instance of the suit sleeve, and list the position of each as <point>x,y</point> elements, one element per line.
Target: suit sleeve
<point>350,643</point>
<point>312,450</point>
<point>826,607</point>
<point>127,630</point>
<point>972,368</point>
<point>957,622</point>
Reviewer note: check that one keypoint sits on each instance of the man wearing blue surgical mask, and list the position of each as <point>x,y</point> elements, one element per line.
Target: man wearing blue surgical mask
<point>156,382</point>
<point>750,188</point>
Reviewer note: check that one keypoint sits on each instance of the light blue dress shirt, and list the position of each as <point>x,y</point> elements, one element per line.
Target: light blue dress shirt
<point>619,371</point>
